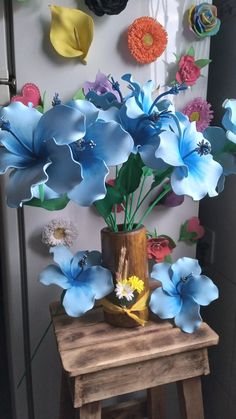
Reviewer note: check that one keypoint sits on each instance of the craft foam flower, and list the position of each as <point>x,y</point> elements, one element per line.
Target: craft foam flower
<point>147,39</point>
<point>136,283</point>
<point>71,32</point>
<point>101,85</point>
<point>229,119</point>
<point>195,172</point>
<point>109,7</point>
<point>104,144</point>
<point>59,232</point>
<point>83,280</point>
<point>200,111</point>
<point>29,94</point>
<point>125,288</point>
<point>203,20</point>
<point>158,248</point>
<point>188,71</point>
<point>191,230</point>
<point>183,291</point>
<point>35,147</point>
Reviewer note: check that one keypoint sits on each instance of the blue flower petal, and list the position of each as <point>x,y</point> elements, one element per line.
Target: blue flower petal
<point>8,160</point>
<point>164,305</point>
<point>216,137</point>
<point>229,118</point>
<point>188,319</point>
<point>170,154</point>
<point>112,114</point>
<point>21,183</point>
<point>102,101</point>
<point>99,280</point>
<point>92,187</point>
<point>201,289</point>
<point>161,272</point>
<point>94,258</point>
<point>53,275</point>
<point>63,123</point>
<point>63,257</point>
<point>86,108</point>
<point>113,144</point>
<point>78,300</point>
<point>61,156</point>
<point>75,264</point>
<point>147,153</point>
<point>183,267</point>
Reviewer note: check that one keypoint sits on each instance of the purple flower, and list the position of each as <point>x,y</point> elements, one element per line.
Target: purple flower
<point>101,85</point>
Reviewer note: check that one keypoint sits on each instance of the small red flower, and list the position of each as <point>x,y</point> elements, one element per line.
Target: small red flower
<point>193,226</point>
<point>158,248</point>
<point>119,207</point>
<point>188,72</point>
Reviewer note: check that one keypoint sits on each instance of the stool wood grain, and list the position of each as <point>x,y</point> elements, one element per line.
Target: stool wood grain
<point>100,361</point>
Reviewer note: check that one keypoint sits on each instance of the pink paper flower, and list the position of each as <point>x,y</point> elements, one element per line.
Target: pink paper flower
<point>188,72</point>
<point>158,248</point>
<point>199,110</point>
<point>193,226</point>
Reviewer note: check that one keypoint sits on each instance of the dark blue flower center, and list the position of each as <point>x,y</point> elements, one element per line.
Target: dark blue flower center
<point>203,148</point>
<point>56,100</point>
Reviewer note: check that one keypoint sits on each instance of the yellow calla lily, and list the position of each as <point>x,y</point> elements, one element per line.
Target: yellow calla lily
<point>71,32</point>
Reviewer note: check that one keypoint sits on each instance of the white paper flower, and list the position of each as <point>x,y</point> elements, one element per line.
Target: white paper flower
<point>59,232</point>
<point>124,290</point>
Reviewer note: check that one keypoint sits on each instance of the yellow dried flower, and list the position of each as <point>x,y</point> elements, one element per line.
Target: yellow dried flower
<point>136,283</point>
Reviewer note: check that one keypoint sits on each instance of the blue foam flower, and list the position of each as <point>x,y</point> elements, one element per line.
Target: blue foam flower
<point>35,147</point>
<point>229,119</point>
<point>83,280</point>
<point>104,144</point>
<point>183,291</point>
<point>195,172</point>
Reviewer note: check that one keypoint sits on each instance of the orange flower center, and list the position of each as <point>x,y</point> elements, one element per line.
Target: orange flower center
<point>59,233</point>
<point>195,116</point>
<point>148,39</point>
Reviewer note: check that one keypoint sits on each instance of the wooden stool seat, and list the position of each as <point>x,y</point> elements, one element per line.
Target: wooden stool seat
<point>101,361</point>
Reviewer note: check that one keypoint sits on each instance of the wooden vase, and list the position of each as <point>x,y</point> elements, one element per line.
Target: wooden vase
<point>135,243</point>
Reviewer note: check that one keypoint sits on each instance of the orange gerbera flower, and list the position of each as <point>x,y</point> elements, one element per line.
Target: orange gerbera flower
<point>147,39</point>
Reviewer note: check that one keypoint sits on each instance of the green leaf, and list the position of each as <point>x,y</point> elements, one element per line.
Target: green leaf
<point>104,206</point>
<point>168,259</point>
<point>147,171</point>
<point>191,52</point>
<point>203,62</point>
<point>229,147</point>
<point>50,205</point>
<point>130,174</point>
<point>160,176</point>
<point>177,57</point>
<point>79,95</point>
<point>172,243</point>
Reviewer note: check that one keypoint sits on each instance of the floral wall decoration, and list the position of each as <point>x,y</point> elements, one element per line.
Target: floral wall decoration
<point>160,247</point>
<point>200,111</point>
<point>59,232</point>
<point>203,20</point>
<point>30,94</point>
<point>191,230</point>
<point>189,69</point>
<point>71,32</point>
<point>109,7</point>
<point>147,39</point>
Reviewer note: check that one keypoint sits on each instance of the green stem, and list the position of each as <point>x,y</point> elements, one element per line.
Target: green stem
<point>167,188</point>
<point>126,212</point>
<point>130,210</point>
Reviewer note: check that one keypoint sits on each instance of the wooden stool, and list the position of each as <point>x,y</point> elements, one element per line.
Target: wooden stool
<point>101,361</point>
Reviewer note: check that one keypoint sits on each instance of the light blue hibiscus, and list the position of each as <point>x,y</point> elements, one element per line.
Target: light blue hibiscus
<point>35,147</point>
<point>229,119</point>
<point>83,280</point>
<point>223,151</point>
<point>183,291</point>
<point>195,173</point>
<point>104,144</point>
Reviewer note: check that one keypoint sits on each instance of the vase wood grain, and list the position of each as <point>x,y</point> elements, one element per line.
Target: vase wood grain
<point>135,242</point>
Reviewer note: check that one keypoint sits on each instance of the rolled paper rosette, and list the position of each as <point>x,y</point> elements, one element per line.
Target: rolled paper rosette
<point>203,20</point>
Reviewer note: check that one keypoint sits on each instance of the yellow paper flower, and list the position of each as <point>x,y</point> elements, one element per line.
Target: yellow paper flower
<point>71,32</point>
<point>136,284</point>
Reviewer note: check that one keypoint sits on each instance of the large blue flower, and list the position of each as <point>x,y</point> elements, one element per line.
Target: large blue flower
<point>183,290</point>
<point>195,172</point>
<point>220,147</point>
<point>229,119</point>
<point>36,147</point>
<point>83,280</point>
<point>104,144</point>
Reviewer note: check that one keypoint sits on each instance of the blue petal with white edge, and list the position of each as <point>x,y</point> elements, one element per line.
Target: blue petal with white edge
<point>78,299</point>
<point>161,272</point>
<point>103,101</point>
<point>113,145</point>
<point>147,153</point>
<point>22,181</point>
<point>164,305</point>
<point>86,108</point>
<point>8,160</point>
<point>216,137</point>
<point>229,118</point>
<point>99,279</point>
<point>63,123</point>
<point>64,173</point>
<point>92,187</point>
<point>170,154</point>
<point>201,289</point>
<point>189,318</point>
<point>53,275</point>
<point>183,267</point>
<point>23,121</point>
<point>63,257</point>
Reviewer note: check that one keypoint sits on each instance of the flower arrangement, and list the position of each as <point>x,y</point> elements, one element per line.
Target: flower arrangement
<point>156,151</point>
<point>203,20</point>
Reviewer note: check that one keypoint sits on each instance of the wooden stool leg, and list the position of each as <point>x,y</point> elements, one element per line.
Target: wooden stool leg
<point>66,408</point>
<point>91,411</point>
<point>190,397</point>
<point>155,403</point>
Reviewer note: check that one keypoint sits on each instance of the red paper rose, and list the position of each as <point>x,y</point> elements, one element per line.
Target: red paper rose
<point>188,72</point>
<point>158,248</point>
